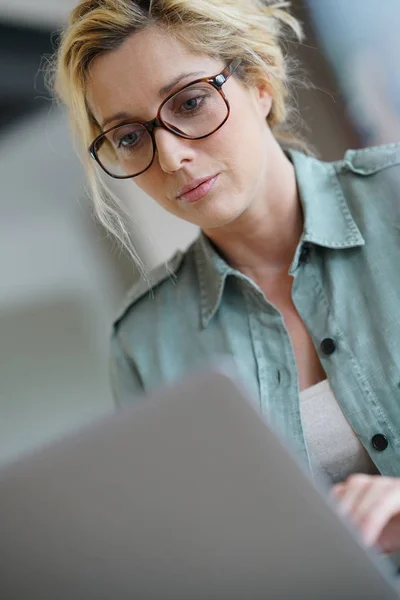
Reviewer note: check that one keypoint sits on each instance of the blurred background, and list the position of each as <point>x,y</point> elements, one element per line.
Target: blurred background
<point>62,278</point>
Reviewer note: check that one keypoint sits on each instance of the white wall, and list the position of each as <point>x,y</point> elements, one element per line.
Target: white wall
<point>37,12</point>
<point>58,290</point>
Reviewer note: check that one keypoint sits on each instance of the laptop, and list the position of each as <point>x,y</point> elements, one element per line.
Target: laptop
<point>189,495</point>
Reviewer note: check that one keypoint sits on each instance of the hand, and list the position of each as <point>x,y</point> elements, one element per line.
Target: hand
<point>372,502</point>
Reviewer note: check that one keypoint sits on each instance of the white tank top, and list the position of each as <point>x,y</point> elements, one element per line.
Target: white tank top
<point>332,445</point>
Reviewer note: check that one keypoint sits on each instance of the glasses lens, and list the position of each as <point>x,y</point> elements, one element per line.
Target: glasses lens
<point>195,111</point>
<point>126,150</point>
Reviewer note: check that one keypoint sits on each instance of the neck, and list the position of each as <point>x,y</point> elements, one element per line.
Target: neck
<point>262,241</point>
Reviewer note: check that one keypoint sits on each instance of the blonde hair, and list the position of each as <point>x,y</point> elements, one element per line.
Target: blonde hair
<point>253,30</point>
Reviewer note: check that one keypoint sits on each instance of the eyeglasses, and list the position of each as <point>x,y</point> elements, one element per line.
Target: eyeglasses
<point>196,111</point>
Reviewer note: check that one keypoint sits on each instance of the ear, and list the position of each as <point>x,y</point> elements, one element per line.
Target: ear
<point>264,97</point>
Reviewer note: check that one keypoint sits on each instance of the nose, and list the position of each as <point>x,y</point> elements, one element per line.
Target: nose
<point>172,151</point>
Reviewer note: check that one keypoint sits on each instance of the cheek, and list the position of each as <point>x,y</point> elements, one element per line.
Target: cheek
<point>244,143</point>
<point>152,183</point>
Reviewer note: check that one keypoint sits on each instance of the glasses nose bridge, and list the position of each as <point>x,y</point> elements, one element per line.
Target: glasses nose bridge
<point>151,125</point>
<point>158,123</point>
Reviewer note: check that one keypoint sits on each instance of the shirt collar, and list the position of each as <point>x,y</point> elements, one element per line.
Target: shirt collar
<point>212,271</point>
<point>327,222</point>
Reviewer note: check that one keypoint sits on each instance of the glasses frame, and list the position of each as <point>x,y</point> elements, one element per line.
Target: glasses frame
<point>217,81</point>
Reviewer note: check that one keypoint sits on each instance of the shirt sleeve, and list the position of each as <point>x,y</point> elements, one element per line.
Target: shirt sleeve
<point>126,384</point>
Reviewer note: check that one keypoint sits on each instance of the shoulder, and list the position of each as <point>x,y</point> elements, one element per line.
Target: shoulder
<point>369,180</point>
<point>145,289</point>
<point>367,161</point>
<point>363,161</point>
<point>368,175</point>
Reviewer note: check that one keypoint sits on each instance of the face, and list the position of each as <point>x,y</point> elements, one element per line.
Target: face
<point>233,160</point>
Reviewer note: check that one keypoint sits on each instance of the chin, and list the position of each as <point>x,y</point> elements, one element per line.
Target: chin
<point>221,213</point>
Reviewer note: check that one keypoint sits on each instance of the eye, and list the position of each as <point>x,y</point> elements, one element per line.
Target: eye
<point>189,101</point>
<point>128,137</point>
<point>128,140</point>
<point>192,103</point>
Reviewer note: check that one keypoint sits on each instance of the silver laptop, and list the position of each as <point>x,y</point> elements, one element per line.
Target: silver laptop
<point>188,496</point>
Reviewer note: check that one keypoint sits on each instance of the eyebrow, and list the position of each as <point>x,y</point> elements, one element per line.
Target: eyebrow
<point>168,88</point>
<point>162,92</point>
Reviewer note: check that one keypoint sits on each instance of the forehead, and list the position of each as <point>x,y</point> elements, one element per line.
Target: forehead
<point>130,78</point>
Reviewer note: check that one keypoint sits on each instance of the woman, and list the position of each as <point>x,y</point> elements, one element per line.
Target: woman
<point>295,272</point>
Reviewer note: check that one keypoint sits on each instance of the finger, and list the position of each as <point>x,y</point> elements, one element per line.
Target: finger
<point>389,539</point>
<point>377,514</point>
<point>338,490</point>
<point>373,498</point>
<point>355,488</point>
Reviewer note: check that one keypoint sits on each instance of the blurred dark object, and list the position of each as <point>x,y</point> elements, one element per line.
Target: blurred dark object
<point>326,124</point>
<point>22,88</point>
<point>361,42</point>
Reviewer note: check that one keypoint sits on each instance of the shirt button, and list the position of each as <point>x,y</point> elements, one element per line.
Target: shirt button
<point>380,442</point>
<point>328,346</point>
<point>304,252</point>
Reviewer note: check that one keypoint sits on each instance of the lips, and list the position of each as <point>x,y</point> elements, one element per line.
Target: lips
<point>197,189</point>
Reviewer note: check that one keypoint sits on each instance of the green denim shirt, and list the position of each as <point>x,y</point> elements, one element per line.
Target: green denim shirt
<point>346,288</point>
